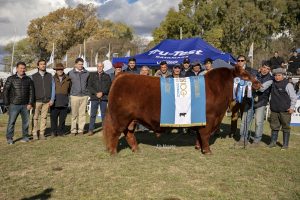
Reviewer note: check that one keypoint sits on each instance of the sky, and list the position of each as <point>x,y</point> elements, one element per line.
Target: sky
<point>142,15</point>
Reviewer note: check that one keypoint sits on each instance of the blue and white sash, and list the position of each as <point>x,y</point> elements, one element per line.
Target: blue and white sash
<point>183,102</point>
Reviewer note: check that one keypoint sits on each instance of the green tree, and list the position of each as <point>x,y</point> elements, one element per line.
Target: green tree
<point>232,25</point>
<point>63,27</point>
<point>24,51</point>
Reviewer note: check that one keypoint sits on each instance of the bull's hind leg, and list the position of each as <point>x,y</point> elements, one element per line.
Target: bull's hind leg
<point>130,137</point>
<point>111,135</point>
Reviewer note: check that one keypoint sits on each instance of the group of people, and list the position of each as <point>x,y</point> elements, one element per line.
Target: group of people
<point>42,92</point>
<point>279,93</point>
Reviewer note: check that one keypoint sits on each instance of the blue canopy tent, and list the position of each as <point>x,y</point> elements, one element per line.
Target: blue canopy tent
<point>174,51</point>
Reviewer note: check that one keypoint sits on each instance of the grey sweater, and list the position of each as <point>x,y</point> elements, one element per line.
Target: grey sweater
<point>79,82</point>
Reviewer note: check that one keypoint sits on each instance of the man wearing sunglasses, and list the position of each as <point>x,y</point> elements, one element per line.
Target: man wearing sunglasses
<point>239,107</point>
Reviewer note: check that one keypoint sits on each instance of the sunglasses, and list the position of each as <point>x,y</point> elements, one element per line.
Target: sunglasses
<point>241,60</point>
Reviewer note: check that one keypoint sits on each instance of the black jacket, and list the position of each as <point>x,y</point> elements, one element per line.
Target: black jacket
<point>18,91</point>
<point>99,83</point>
<point>42,87</point>
<point>191,73</point>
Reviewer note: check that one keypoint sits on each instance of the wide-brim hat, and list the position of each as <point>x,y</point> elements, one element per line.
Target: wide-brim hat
<point>59,66</point>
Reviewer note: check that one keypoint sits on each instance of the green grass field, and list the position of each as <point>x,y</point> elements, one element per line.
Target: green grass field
<point>167,168</point>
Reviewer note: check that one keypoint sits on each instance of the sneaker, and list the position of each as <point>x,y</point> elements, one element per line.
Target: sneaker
<point>25,139</point>
<point>90,133</point>
<point>241,143</point>
<point>42,137</point>
<point>254,145</point>
<point>284,148</point>
<point>10,142</point>
<point>272,145</point>
<point>35,137</point>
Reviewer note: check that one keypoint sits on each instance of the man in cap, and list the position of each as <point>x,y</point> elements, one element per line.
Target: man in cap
<point>185,66</point>
<point>282,105</point>
<point>195,71</point>
<point>163,71</point>
<point>176,72</point>
<point>118,69</point>
<point>59,109</point>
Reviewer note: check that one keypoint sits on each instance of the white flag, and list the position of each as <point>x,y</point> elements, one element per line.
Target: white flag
<point>96,59</point>
<point>85,63</point>
<point>65,59</point>
<point>51,59</point>
<point>128,53</point>
<point>108,54</point>
<point>250,55</point>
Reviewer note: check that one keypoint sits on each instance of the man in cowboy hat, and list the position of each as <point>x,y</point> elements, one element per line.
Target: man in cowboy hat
<point>59,110</point>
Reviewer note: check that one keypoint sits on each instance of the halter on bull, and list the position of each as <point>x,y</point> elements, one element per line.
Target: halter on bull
<point>143,106</point>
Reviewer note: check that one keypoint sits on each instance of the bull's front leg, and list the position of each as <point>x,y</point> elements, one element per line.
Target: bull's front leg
<point>205,135</point>
<point>198,142</point>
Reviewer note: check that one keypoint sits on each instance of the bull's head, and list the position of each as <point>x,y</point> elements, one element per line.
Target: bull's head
<point>245,75</point>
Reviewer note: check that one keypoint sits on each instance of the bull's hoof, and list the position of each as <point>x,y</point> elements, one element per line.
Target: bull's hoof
<point>197,147</point>
<point>112,152</point>
<point>135,150</point>
<point>207,152</point>
<point>157,135</point>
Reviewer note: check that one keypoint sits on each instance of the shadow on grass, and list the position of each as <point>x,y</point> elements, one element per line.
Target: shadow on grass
<point>46,194</point>
<point>169,139</point>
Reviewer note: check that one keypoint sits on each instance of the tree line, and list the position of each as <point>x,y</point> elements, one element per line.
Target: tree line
<point>232,25</point>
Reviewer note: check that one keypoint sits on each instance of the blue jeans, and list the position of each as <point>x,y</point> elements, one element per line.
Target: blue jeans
<point>14,111</point>
<point>259,114</point>
<point>94,109</point>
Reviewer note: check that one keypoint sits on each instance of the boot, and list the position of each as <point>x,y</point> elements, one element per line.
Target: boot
<point>286,138</point>
<point>274,137</point>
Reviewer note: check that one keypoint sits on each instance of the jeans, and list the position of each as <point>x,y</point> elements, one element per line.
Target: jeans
<point>94,109</point>
<point>14,111</point>
<point>58,114</point>
<point>259,114</point>
<point>259,122</point>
